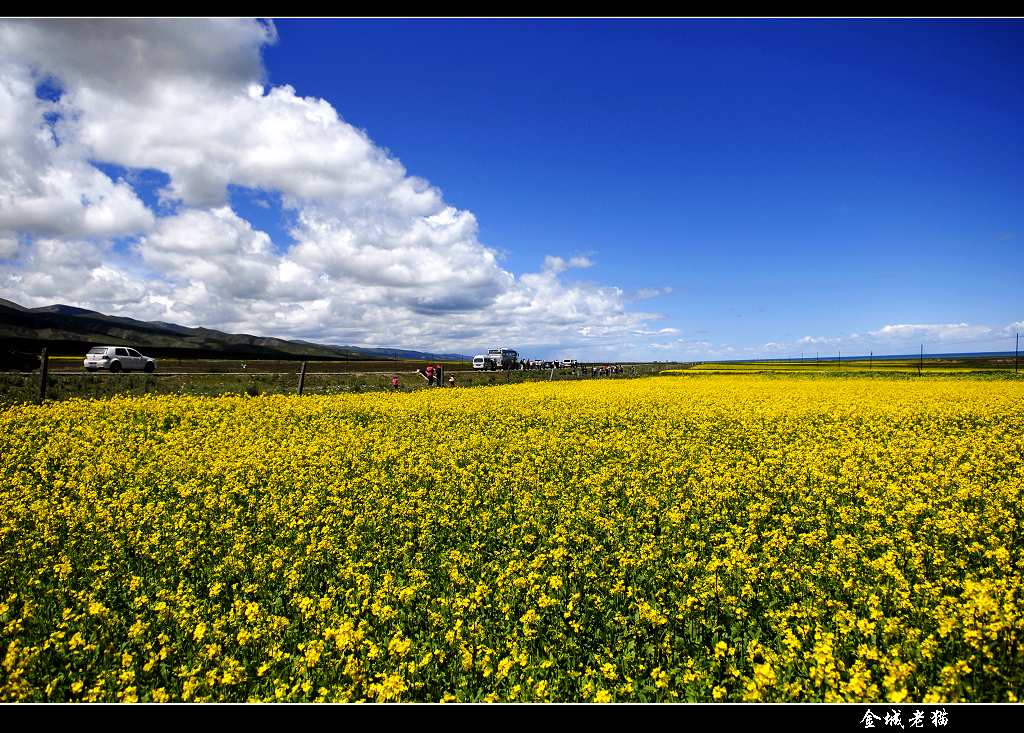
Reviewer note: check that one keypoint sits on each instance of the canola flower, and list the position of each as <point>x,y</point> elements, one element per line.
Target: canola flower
<point>710,538</point>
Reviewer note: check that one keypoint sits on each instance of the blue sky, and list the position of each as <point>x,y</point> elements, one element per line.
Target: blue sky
<point>777,186</point>
<point>784,178</point>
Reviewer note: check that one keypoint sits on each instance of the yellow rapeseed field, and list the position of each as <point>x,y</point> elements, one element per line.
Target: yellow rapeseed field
<point>704,538</point>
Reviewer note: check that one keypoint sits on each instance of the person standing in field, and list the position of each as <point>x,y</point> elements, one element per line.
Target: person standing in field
<point>451,381</point>
<point>394,382</point>
<point>430,375</point>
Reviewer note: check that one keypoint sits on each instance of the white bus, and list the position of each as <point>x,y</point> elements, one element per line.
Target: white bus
<point>497,359</point>
<point>504,358</point>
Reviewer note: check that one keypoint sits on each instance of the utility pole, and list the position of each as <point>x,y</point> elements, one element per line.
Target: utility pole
<point>302,377</point>
<point>44,363</point>
<point>920,364</point>
<point>1016,350</point>
<point>840,360</point>
<point>871,361</point>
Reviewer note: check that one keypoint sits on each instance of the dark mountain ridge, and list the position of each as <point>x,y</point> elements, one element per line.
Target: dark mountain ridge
<point>70,330</point>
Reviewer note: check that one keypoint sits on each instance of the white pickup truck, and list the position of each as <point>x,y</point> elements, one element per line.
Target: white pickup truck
<point>118,358</point>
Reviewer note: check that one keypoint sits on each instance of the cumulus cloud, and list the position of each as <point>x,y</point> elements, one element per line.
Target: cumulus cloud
<point>8,247</point>
<point>691,349</point>
<point>908,336</point>
<point>216,248</point>
<point>122,56</point>
<point>659,332</point>
<point>422,262</point>
<point>47,187</point>
<point>888,339</point>
<point>818,341</point>
<point>649,293</point>
<point>932,332</point>
<point>558,264</point>
<point>378,256</point>
<point>80,272</point>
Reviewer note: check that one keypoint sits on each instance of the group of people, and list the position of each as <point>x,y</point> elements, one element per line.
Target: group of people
<point>433,374</point>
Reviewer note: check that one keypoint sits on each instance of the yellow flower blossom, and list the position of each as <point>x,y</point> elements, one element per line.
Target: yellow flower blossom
<point>701,536</point>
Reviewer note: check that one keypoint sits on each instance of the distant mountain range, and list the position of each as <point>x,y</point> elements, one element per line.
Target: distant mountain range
<point>65,329</point>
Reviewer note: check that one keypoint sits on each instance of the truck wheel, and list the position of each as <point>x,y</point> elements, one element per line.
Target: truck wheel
<point>115,367</point>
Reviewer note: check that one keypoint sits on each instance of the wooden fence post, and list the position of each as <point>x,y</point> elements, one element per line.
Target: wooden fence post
<point>44,363</point>
<point>302,377</point>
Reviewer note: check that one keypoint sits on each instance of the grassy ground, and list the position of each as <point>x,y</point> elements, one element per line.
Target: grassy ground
<point>928,364</point>
<point>73,364</point>
<point>68,380</point>
<point>975,366</point>
<point>854,374</point>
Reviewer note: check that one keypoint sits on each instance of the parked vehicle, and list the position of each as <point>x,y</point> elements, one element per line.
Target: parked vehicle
<point>117,359</point>
<point>497,359</point>
<point>503,358</point>
<point>569,363</point>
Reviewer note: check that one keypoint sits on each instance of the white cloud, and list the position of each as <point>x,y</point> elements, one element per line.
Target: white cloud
<point>48,188</point>
<point>818,341</point>
<point>186,97</point>
<point>214,247</point>
<point>124,55</point>
<point>907,337</point>
<point>558,264</point>
<point>67,271</point>
<point>649,293</point>
<point>932,332</point>
<point>378,256</point>
<point>689,349</point>
<point>658,332</point>
<point>8,247</point>
<point>427,263</point>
